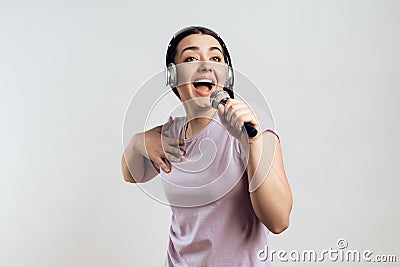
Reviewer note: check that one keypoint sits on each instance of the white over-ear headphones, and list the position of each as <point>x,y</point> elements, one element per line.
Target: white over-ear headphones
<point>171,76</point>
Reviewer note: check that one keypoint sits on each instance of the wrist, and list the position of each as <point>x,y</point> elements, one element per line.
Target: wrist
<point>255,141</point>
<point>250,145</point>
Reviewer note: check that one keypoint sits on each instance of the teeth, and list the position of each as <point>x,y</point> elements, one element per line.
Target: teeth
<point>204,81</point>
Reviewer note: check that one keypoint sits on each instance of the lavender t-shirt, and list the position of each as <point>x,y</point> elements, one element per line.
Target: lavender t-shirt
<point>213,222</point>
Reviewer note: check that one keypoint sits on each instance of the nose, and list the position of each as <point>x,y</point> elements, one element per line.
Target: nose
<point>204,67</point>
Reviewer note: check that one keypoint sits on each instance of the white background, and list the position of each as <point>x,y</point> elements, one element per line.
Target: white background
<point>68,69</point>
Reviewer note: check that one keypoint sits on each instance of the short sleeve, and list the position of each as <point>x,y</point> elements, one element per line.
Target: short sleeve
<point>265,119</point>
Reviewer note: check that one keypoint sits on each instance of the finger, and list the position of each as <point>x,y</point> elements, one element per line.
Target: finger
<point>245,119</point>
<point>237,118</point>
<point>233,102</point>
<point>221,111</point>
<point>239,109</point>
<point>249,117</point>
<point>175,142</point>
<point>228,113</point>
<point>173,158</point>
<point>237,105</point>
<point>233,112</point>
<point>242,117</point>
<point>244,114</point>
<point>163,165</point>
<point>168,141</point>
<point>176,151</point>
<point>238,125</point>
<point>230,109</point>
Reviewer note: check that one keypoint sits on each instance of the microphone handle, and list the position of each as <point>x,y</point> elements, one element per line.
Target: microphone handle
<point>250,130</point>
<point>247,126</point>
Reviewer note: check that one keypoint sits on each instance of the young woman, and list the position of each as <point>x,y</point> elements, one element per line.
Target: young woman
<point>223,206</point>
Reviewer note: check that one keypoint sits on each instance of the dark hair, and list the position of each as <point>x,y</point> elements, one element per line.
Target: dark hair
<point>173,44</point>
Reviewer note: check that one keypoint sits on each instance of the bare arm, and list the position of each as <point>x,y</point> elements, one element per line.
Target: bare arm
<point>272,199</point>
<point>149,151</point>
<point>270,192</point>
<point>140,168</point>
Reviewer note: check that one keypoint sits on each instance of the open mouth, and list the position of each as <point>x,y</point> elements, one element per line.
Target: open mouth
<point>203,84</point>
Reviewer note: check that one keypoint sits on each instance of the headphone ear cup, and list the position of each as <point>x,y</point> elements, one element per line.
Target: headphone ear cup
<point>171,75</point>
<point>230,80</point>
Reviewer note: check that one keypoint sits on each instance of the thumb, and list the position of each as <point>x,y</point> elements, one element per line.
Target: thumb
<point>221,110</point>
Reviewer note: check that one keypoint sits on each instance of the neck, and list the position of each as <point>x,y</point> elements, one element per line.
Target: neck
<point>196,123</point>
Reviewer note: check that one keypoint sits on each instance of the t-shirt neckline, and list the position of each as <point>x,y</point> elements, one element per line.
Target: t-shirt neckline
<point>204,130</point>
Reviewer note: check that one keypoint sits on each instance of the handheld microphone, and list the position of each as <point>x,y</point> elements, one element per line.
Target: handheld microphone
<point>220,97</point>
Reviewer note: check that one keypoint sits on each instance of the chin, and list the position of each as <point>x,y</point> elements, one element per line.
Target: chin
<point>199,103</point>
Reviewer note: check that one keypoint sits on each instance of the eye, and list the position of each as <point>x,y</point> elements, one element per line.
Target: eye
<point>189,59</point>
<point>216,58</point>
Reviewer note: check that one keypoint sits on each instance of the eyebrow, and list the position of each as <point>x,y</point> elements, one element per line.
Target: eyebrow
<point>196,48</point>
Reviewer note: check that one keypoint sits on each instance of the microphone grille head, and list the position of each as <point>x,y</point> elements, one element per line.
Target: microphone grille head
<point>218,96</point>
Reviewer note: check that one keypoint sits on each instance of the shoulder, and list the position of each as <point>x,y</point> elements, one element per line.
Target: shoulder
<point>265,118</point>
<point>175,127</point>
